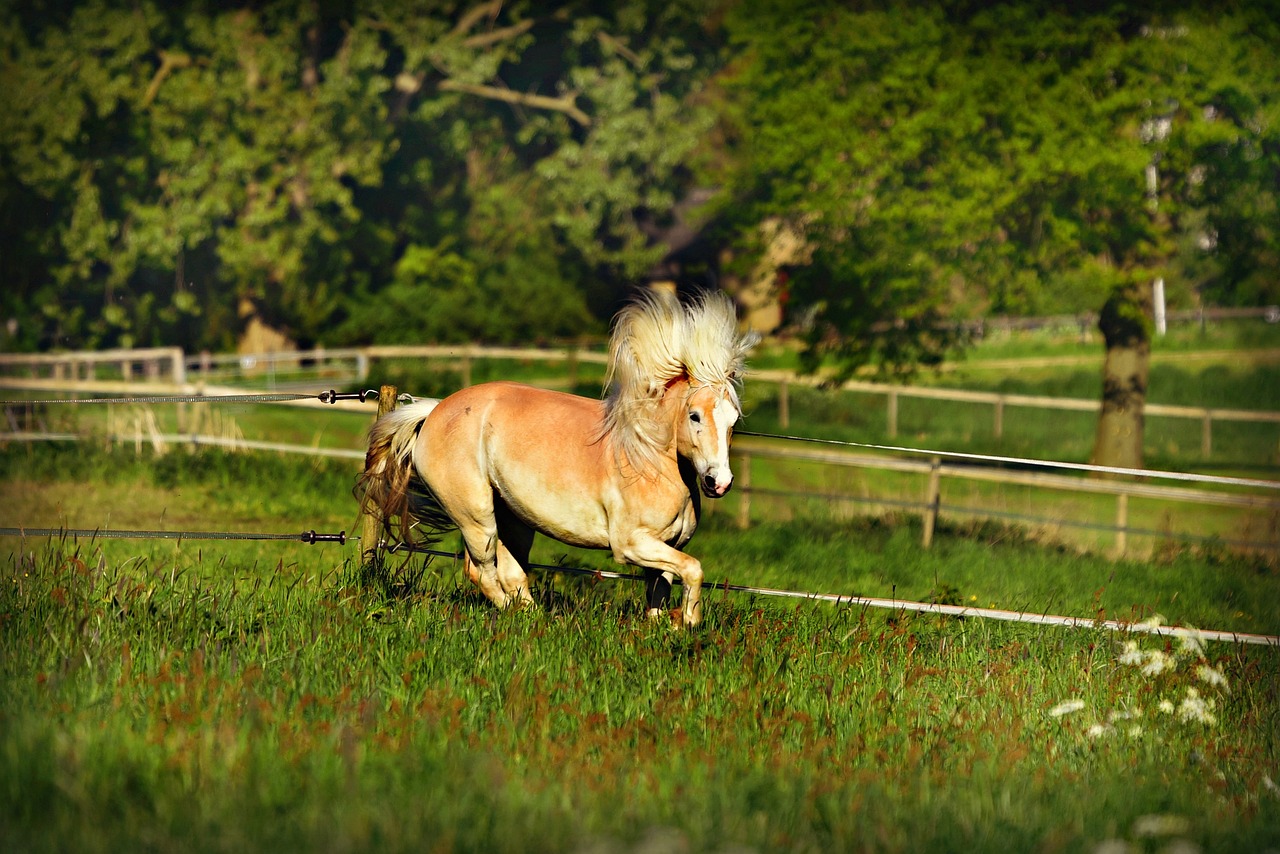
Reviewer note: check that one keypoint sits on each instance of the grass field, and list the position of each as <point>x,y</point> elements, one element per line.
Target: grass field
<point>209,695</point>
<point>215,695</point>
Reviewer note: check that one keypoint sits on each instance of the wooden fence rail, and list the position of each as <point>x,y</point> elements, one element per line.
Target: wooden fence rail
<point>747,450</point>
<point>999,402</point>
<point>151,364</point>
<point>352,365</point>
<point>934,471</point>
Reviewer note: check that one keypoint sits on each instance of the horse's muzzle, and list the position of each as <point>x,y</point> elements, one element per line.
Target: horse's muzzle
<point>712,489</point>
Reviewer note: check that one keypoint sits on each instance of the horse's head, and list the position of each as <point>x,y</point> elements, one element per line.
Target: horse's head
<point>703,431</point>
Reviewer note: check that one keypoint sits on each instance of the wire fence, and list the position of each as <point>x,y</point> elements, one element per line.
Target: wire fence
<point>931,505</point>
<point>838,599</point>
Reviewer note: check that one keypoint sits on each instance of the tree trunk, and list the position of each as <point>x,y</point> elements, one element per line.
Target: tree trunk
<point>760,294</point>
<point>1126,328</point>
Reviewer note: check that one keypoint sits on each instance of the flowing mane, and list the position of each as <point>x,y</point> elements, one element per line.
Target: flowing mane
<point>655,341</point>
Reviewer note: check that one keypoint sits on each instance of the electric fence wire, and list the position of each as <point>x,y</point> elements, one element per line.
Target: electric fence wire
<point>310,537</point>
<point>961,611</point>
<point>1029,462</point>
<point>329,396</point>
<point>332,396</point>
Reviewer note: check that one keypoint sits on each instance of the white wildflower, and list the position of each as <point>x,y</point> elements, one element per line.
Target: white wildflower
<point>1157,663</point>
<point>1135,731</point>
<point>1113,846</point>
<point>1191,643</point>
<point>1155,621</point>
<point>1212,676</point>
<point>1066,707</point>
<point>1097,730</point>
<point>1196,708</point>
<point>1161,825</point>
<point>1131,655</point>
<point>1270,785</point>
<point>1166,706</point>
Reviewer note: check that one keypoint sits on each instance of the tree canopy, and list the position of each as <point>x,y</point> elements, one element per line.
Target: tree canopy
<point>395,171</point>
<point>957,159</point>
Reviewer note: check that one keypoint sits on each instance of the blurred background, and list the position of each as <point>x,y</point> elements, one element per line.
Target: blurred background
<point>881,186</point>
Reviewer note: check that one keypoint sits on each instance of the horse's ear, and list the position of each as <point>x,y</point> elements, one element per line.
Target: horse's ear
<point>682,376</point>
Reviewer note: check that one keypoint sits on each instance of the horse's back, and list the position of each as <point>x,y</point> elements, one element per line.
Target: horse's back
<point>513,412</point>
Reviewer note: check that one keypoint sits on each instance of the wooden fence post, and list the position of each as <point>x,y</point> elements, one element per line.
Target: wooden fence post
<point>744,491</point>
<point>1122,524</point>
<point>784,405</point>
<point>371,526</point>
<point>1206,434</point>
<point>933,501</point>
<point>892,406</point>
<point>571,360</point>
<point>999,423</point>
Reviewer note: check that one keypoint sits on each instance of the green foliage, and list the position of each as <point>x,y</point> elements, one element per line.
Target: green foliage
<point>169,169</point>
<point>952,160</point>
<point>188,165</point>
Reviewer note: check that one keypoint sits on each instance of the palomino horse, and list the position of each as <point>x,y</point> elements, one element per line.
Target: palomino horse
<point>501,461</point>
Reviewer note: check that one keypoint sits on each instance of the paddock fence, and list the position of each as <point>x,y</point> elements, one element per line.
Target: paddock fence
<point>748,452</point>
<point>776,476</point>
<point>161,370</point>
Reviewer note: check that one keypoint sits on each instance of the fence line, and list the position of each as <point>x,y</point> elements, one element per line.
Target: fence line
<point>194,392</point>
<point>152,360</point>
<point>931,507</point>
<point>309,537</point>
<point>358,360</point>
<point>999,401</point>
<point>934,471</point>
<point>162,442</point>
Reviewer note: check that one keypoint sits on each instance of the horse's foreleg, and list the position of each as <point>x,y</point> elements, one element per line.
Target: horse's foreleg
<point>653,554</point>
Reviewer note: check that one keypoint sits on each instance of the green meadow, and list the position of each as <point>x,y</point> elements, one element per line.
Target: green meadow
<point>218,695</point>
<point>205,695</point>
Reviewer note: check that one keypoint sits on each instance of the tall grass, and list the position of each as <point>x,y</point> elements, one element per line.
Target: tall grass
<point>160,703</point>
<point>217,696</point>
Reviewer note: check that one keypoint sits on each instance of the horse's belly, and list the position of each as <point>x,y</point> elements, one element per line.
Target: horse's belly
<point>572,523</point>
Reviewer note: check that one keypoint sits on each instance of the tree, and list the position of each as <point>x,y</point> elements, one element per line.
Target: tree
<point>951,160</point>
<point>155,140</point>
<point>185,160</point>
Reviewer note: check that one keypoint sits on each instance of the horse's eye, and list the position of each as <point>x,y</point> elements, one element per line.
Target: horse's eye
<point>695,417</point>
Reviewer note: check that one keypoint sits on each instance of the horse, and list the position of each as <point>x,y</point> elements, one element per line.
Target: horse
<point>501,461</point>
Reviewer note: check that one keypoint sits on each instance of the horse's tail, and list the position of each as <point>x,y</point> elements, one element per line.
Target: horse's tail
<point>390,487</point>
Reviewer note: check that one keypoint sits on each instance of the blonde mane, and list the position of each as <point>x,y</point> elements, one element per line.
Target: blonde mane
<point>656,341</point>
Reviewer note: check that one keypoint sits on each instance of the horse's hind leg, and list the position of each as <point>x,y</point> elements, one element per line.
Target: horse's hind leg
<point>481,541</point>
<point>497,553</point>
